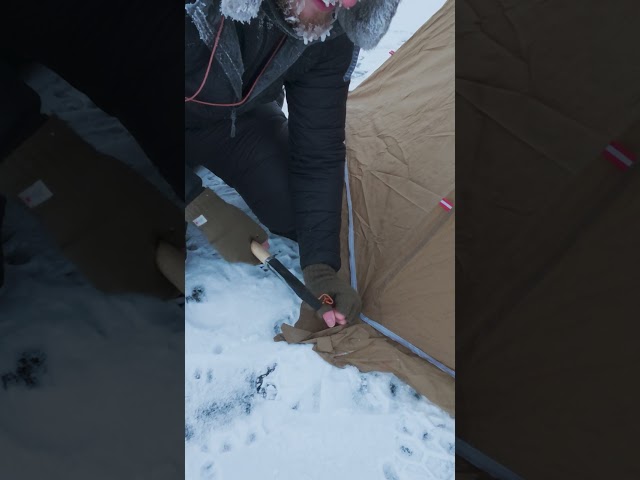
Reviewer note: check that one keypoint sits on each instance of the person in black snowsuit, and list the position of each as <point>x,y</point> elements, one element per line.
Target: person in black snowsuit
<point>241,57</point>
<point>290,172</point>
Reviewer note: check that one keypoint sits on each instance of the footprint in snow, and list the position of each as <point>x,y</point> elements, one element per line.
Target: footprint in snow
<point>265,389</point>
<point>198,295</point>
<point>416,457</point>
<point>389,472</point>
<point>209,471</point>
<point>29,370</point>
<point>188,432</point>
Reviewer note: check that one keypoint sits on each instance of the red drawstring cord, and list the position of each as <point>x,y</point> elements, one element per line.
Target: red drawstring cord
<point>206,75</point>
<point>213,52</point>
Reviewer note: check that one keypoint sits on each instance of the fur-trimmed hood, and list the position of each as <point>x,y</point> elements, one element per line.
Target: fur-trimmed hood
<point>365,24</point>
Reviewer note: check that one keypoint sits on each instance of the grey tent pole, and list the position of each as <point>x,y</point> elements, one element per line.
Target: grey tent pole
<point>484,462</point>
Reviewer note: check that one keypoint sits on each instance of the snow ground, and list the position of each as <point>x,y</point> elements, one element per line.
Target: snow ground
<point>257,407</point>
<point>254,407</point>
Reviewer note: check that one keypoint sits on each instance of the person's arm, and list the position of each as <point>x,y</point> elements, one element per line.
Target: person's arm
<point>317,111</point>
<point>317,114</point>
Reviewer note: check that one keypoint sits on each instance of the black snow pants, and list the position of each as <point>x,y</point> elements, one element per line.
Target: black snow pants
<point>255,161</point>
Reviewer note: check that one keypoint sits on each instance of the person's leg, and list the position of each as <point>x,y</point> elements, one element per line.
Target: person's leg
<point>254,162</point>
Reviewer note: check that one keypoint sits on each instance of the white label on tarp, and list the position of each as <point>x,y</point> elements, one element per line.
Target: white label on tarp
<point>201,220</point>
<point>35,195</point>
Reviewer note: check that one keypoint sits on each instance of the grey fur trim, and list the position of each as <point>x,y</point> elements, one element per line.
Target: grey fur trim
<point>240,10</point>
<point>366,23</point>
<point>198,11</point>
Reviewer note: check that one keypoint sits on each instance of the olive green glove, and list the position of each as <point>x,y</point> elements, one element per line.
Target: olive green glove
<point>226,227</point>
<point>322,279</point>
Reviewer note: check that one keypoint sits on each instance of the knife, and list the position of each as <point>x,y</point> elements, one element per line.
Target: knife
<point>320,305</point>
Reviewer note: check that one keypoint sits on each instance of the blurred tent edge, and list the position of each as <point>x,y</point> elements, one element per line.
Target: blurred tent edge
<point>397,236</point>
<point>546,259</point>
<point>110,235</point>
<point>3,202</point>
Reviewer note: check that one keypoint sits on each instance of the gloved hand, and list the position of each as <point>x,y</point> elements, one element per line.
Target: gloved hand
<point>321,279</point>
<point>226,227</point>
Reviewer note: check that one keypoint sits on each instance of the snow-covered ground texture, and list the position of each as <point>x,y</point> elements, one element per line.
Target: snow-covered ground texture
<point>88,381</point>
<point>255,408</point>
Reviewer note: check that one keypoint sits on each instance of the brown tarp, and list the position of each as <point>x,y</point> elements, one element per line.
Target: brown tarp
<point>541,89</point>
<point>400,156</point>
<point>105,217</point>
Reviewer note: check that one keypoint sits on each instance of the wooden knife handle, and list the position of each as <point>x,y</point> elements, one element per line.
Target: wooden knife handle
<point>259,251</point>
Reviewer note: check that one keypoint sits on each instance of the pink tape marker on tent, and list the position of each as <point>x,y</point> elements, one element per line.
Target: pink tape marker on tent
<point>619,156</point>
<point>446,204</point>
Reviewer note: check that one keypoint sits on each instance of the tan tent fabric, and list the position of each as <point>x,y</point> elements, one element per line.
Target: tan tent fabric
<point>542,89</point>
<point>400,153</point>
<point>400,157</point>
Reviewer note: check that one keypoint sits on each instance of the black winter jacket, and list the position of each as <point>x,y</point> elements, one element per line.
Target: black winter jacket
<point>316,80</point>
<point>316,85</point>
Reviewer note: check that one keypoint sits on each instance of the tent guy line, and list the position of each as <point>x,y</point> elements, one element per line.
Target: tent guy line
<point>482,461</point>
